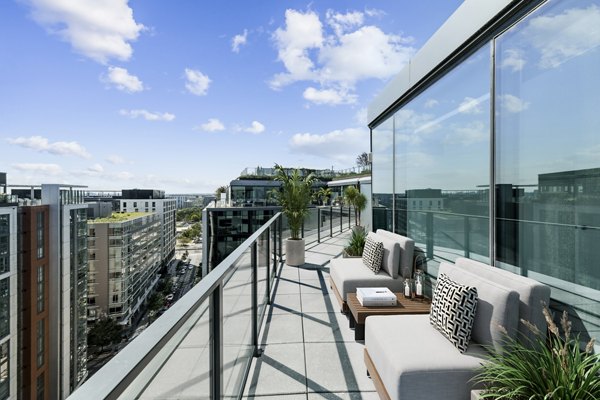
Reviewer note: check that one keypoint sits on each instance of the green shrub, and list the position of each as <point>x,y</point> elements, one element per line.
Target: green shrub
<point>552,368</point>
<point>356,244</point>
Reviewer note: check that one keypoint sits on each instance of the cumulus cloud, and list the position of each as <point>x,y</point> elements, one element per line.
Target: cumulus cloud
<point>329,96</point>
<point>336,54</point>
<point>213,125</point>
<point>563,36</point>
<point>123,80</point>
<point>513,104</point>
<point>256,128</point>
<point>513,59</point>
<point>42,144</point>
<point>238,41</point>
<point>147,115</point>
<point>44,169</point>
<point>471,105</point>
<point>98,29</point>
<point>115,159</point>
<point>96,168</point>
<point>473,132</point>
<point>431,103</point>
<point>342,145</point>
<point>196,82</point>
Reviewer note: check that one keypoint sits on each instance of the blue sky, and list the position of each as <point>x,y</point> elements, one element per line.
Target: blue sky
<point>183,95</point>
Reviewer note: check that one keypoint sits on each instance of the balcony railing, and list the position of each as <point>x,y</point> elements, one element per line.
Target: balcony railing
<point>217,325</point>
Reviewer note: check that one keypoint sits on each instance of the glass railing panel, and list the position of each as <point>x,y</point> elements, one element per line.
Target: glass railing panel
<point>311,226</point>
<point>237,324</point>
<point>181,368</point>
<point>263,247</point>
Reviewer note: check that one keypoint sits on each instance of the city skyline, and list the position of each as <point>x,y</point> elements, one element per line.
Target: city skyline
<point>139,94</point>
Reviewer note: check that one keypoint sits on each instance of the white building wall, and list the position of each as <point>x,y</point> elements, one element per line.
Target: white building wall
<point>11,275</point>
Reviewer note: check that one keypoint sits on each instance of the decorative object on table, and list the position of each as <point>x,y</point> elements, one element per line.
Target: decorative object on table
<point>376,297</point>
<point>419,284</point>
<point>407,288</point>
<point>294,197</point>
<point>356,244</point>
<point>554,367</point>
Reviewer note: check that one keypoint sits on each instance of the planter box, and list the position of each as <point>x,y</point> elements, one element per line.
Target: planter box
<point>346,255</point>
<point>294,252</point>
<point>476,394</point>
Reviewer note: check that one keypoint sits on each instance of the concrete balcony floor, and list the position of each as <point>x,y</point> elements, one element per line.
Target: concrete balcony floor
<point>309,350</point>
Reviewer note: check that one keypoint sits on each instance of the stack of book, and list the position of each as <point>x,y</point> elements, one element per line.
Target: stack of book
<point>375,297</point>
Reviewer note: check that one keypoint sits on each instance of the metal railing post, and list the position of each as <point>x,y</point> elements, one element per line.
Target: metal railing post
<point>318,225</point>
<point>302,234</point>
<point>330,221</point>
<point>254,267</point>
<point>268,252</point>
<point>216,349</point>
<point>341,218</point>
<point>467,237</point>
<point>280,239</point>
<point>429,234</point>
<point>349,217</point>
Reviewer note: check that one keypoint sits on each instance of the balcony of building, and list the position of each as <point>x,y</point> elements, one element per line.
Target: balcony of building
<point>252,328</point>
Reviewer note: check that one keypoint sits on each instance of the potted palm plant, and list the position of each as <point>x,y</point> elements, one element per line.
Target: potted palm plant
<point>550,368</point>
<point>294,197</point>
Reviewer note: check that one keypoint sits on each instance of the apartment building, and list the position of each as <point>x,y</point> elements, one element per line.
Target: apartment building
<point>124,258</point>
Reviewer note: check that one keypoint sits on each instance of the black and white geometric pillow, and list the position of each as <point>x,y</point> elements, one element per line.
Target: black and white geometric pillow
<point>453,309</point>
<point>373,254</point>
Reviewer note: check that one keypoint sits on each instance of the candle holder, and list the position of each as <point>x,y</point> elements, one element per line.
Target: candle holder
<point>419,284</point>
<point>408,289</point>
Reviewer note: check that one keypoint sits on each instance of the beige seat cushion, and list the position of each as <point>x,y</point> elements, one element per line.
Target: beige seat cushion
<point>348,274</point>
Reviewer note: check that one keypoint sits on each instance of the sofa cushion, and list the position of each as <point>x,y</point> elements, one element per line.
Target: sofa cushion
<point>453,310</point>
<point>416,362</point>
<point>497,307</point>
<point>407,248</point>
<point>373,252</point>
<point>348,274</point>
<point>391,255</point>
<point>532,294</point>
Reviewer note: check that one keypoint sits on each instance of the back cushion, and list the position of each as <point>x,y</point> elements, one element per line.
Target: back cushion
<point>497,307</point>
<point>407,248</point>
<point>391,255</point>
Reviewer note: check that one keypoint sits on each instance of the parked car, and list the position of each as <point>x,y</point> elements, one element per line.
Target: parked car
<point>169,297</point>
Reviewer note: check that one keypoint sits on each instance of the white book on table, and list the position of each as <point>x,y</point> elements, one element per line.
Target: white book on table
<point>376,296</point>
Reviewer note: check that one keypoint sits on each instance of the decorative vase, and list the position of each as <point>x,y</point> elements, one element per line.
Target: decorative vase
<point>294,252</point>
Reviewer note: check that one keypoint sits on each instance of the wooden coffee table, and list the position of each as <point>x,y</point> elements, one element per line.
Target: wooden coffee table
<point>359,313</point>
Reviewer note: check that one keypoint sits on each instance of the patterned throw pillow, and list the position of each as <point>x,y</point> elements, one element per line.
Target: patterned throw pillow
<point>453,310</point>
<point>373,254</point>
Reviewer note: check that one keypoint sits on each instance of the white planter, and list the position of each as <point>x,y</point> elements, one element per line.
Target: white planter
<point>294,252</point>
<point>476,394</point>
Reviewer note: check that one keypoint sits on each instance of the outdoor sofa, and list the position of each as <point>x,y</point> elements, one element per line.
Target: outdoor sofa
<point>409,359</point>
<point>348,274</point>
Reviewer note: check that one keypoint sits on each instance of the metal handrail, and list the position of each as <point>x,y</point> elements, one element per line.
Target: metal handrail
<point>116,376</point>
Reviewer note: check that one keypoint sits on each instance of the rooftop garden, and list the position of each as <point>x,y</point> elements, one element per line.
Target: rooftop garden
<point>119,217</point>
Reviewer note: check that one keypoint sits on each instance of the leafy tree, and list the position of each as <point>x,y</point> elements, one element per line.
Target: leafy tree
<point>323,195</point>
<point>363,161</point>
<point>220,189</point>
<point>353,197</point>
<point>105,332</point>
<point>156,301</point>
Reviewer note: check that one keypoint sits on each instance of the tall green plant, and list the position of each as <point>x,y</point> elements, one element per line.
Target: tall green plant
<point>294,197</point>
<point>556,368</point>
<point>356,244</point>
<point>354,198</point>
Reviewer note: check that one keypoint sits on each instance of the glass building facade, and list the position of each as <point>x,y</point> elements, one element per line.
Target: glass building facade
<point>515,111</point>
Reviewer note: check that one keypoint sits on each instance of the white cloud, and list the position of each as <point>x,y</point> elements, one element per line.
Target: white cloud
<point>374,12</point>
<point>513,59</point>
<point>238,41</point>
<point>329,96</point>
<point>123,80</point>
<point>256,128</point>
<point>473,132</point>
<point>361,116</point>
<point>115,159</point>
<point>124,175</point>
<point>96,168</point>
<point>302,33</point>
<point>196,82</point>
<point>98,29</point>
<point>338,57</point>
<point>561,37</point>
<point>513,104</point>
<point>44,169</point>
<point>471,105</point>
<point>147,115</point>
<point>213,125</point>
<point>344,22</point>
<point>431,103</point>
<point>341,145</point>
<point>42,144</point>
